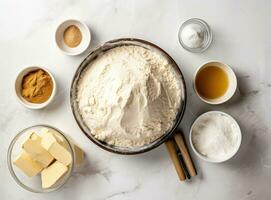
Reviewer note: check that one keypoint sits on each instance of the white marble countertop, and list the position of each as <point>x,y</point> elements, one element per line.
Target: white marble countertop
<point>241,38</point>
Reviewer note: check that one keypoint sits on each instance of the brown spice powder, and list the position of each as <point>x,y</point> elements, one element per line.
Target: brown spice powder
<point>72,36</point>
<point>37,86</point>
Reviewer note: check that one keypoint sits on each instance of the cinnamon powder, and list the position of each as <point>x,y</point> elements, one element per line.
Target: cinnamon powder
<point>37,86</point>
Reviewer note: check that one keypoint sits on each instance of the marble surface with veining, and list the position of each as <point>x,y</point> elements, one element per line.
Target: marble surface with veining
<point>242,39</point>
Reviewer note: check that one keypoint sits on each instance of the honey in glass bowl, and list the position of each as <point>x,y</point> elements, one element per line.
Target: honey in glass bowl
<point>212,82</point>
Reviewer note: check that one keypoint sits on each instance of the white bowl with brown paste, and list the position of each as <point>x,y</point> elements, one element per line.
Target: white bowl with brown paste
<point>35,87</point>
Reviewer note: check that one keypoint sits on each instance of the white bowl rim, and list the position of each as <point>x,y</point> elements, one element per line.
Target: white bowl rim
<point>85,27</point>
<point>223,100</point>
<point>210,159</point>
<point>30,105</point>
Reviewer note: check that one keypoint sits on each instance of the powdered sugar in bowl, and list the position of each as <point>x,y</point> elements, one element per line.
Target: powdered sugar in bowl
<point>215,136</point>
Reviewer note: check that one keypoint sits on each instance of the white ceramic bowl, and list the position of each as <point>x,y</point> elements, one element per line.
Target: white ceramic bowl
<point>213,160</point>
<point>18,85</point>
<point>232,82</point>
<point>86,37</point>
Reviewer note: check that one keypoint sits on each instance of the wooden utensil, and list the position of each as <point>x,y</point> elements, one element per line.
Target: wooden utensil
<point>186,173</point>
<point>178,137</point>
<point>174,157</point>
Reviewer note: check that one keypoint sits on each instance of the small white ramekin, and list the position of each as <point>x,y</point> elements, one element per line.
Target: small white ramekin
<point>84,44</point>
<point>18,86</point>
<point>232,82</point>
<point>211,159</point>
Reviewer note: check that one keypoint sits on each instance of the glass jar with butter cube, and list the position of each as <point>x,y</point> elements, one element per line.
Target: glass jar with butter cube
<point>41,158</point>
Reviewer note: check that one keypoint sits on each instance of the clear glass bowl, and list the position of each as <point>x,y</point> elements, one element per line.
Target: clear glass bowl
<point>33,184</point>
<point>208,36</point>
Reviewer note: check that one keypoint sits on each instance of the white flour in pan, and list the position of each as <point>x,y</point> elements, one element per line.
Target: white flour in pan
<point>129,96</point>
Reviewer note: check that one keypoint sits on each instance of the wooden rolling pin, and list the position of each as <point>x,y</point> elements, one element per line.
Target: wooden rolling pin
<point>170,144</point>
<point>178,137</point>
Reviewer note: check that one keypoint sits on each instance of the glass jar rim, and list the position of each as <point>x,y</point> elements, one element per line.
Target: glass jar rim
<point>208,30</point>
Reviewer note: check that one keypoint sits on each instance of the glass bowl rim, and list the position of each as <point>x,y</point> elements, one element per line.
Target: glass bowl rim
<point>10,165</point>
<point>208,29</point>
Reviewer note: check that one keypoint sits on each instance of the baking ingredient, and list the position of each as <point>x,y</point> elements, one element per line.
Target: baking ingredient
<point>79,155</point>
<point>59,152</point>
<point>27,164</point>
<point>33,147</point>
<point>47,139</point>
<point>212,82</point>
<point>52,174</point>
<point>192,35</point>
<point>37,86</point>
<point>46,153</point>
<point>72,36</point>
<point>129,96</point>
<point>215,136</point>
<point>56,135</point>
<point>33,136</point>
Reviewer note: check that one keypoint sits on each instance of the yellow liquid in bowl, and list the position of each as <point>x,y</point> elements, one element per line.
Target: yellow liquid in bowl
<point>212,82</point>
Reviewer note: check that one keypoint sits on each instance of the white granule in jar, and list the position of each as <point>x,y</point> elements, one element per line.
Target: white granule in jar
<point>215,136</point>
<point>129,96</point>
<point>193,36</point>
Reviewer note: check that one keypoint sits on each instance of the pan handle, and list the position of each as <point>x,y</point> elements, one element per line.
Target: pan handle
<point>174,157</point>
<point>178,137</point>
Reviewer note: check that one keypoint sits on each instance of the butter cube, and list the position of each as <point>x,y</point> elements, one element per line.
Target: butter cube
<point>79,155</point>
<point>59,152</point>
<point>27,164</point>
<point>44,130</point>
<point>61,140</point>
<point>50,136</point>
<point>35,137</point>
<point>37,152</point>
<point>49,133</point>
<point>47,139</point>
<point>52,174</point>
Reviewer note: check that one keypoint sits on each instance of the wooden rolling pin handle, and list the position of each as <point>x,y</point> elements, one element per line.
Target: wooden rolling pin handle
<point>174,157</point>
<point>185,153</point>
